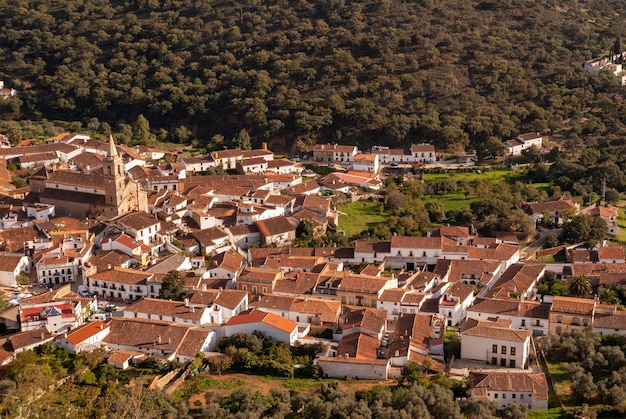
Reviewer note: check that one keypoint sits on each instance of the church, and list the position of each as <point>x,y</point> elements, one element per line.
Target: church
<point>103,192</point>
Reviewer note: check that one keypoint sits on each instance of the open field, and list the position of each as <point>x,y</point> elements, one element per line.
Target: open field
<point>453,201</point>
<point>476,175</point>
<point>554,413</point>
<point>360,216</point>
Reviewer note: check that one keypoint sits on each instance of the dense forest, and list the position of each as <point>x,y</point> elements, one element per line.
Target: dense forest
<point>291,73</point>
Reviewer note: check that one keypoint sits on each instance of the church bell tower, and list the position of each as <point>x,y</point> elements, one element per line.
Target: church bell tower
<point>114,176</point>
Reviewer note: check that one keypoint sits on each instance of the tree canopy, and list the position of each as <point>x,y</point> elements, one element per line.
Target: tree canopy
<point>173,287</point>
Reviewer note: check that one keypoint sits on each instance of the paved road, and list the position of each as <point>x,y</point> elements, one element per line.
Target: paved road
<point>529,250</point>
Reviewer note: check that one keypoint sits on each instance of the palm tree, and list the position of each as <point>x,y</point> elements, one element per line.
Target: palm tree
<point>608,296</point>
<point>580,286</point>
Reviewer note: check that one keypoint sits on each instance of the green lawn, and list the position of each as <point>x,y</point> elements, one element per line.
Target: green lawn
<point>562,382</point>
<point>554,413</point>
<point>453,201</point>
<point>621,224</point>
<point>489,176</point>
<point>360,216</point>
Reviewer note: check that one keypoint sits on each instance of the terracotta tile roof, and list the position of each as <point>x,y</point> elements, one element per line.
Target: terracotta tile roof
<point>459,290</point>
<point>549,206</point>
<point>484,241</point>
<point>573,305</point>
<point>414,330</point>
<point>65,310</point>
<point>420,280</point>
<point>335,148</point>
<point>367,318</point>
<point>328,310</point>
<point>410,242</point>
<point>430,305</point>
<point>532,309</point>
<point>259,275</point>
<point>529,136</point>
<point>616,253</point>
<point>122,275</point>
<point>231,261</point>
<point>297,283</point>
<point>499,252</point>
<point>13,239</point>
<point>581,255</point>
<point>362,283</point>
<point>33,337</point>
<point>604,212</point>
<point>518,278</point>
<point>450,231</point>
<point>193,342</point>
<point>296,262</point>
<point>358,345</point>
<point>276,225</point>
<point>361,246</point>
<point>304,187</point>
<point>143,333</point>
<point>483,383</point>
<point>120,357</point>
<point>393,295</point>
<point>418,148</point>
<point>138,220</point>
<point>597,269</point>
<point>8,263</point>
<point>488,330</point>
<point>479,270</point>
<point>209,236</point>
<point>231,299</point>
<point>85,331</point>
<point>166,308</point>
<point>275,302</point>
<point>371,270</point>
<point>270,319</point>
<point>614,319</point>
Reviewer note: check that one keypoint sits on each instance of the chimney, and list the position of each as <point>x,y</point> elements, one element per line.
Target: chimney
<point>41,335</point>
<point>101,326</point>
<point>186,302</point>
<point>159,338</point>
<point>64,335</point>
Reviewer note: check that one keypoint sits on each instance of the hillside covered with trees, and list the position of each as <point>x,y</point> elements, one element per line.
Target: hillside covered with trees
<point>459,74</point>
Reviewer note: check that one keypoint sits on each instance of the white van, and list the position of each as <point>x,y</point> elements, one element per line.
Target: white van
<point>98,316</point>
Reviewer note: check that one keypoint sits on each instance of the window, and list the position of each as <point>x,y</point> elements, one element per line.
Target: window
<point>254,289</point>
<point>512,350</point>
<point>503,362</point>
<point>494,349</point>
<point>586,322</point>
<point>559,330</point>
<point>513,395</point>
<point>512,363</point>
<point>521,396</point>
<point>494,361</point>
<point>575,320</point>
<point>504,395</point>
<point>523,322</point>
<point>538,323</point>
<point>504,350</point>
<point>244,288</point>
<point>559,319</point>
<point>495,395</point>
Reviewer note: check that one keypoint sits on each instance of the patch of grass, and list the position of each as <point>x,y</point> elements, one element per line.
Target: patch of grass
<point>554,413</point>
<point>361,215</point>
<point>562,382</point>
<point>488,176</point>
<point>453,201</point>
<point>621,226</point>
<point>230,384</point>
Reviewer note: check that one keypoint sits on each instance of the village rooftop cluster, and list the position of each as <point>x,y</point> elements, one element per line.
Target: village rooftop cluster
<point>102,218</point>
